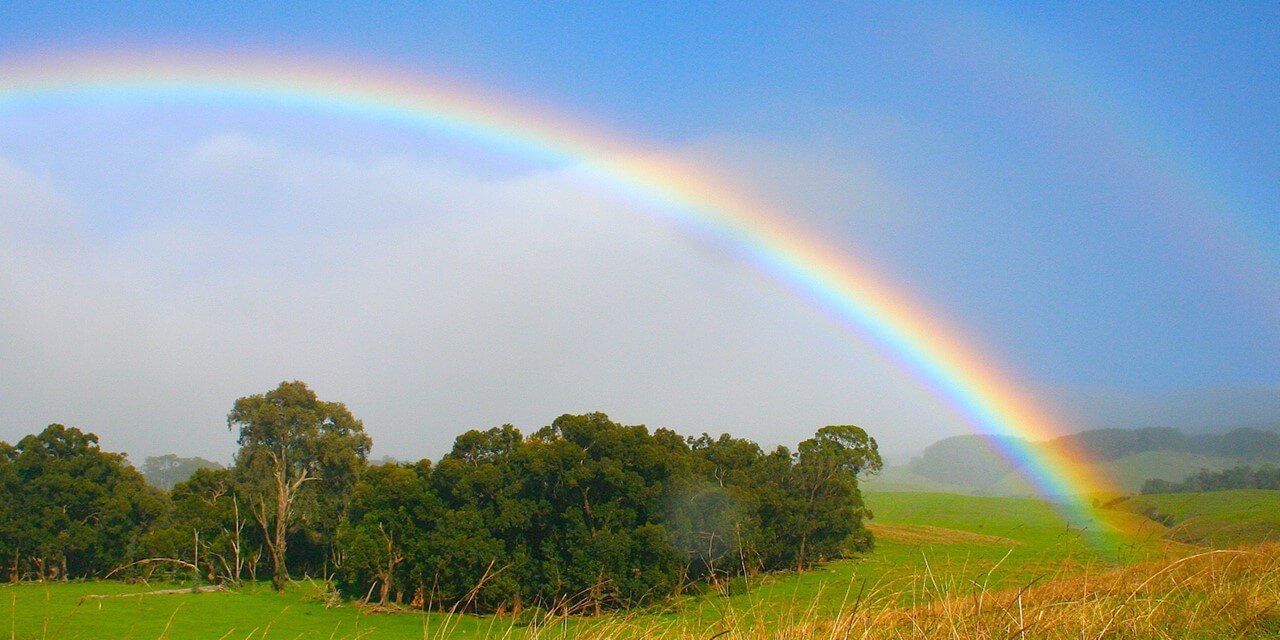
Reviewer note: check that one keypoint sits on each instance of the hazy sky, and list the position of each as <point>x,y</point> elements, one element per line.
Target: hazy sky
<point>1086,193</point>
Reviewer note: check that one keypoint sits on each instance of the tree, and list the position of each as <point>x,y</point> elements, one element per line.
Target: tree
<point>71,508</point>
<point>299,458</point>
<point>10,491</point>
<point>826,471</point>
<point>589,514</point>
<point>207,525</point>
<point>393,510</point>
<point>610,486</point>
<point>712,521</point>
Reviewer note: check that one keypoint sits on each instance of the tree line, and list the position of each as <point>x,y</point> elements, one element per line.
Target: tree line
<point>584,512</point>
<point>1242,477</point>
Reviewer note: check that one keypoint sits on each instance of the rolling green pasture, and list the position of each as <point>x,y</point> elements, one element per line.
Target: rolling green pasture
<point>929,545</point>
<point>1217,518</point>
<point>1130,472</point>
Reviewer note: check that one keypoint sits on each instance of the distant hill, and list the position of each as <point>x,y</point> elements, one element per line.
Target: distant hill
<point>902,478</point>
<point>168,470</point>
<point>1130,472</point>
<point>970,461</point>
<point>973,464</point>
<point>1226,428</point>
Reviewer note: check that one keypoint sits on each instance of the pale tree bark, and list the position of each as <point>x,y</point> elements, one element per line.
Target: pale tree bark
<point>284,434</point>
<point>276,532</point>
<point>394,558</point>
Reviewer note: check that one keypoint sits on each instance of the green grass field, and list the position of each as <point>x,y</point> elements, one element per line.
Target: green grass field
<point>928,544</point>
<point>1219,518</point>
<point>971,539</point>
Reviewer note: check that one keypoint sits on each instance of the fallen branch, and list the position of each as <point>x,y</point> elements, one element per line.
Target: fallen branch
<point>163,592</point>
<point>150,561</point>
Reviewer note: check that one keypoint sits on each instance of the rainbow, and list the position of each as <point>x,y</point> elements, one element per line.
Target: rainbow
<point>871,308</point>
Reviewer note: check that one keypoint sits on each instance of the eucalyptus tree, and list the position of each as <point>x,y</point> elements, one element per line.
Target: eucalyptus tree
<point>299,458</point>
<point>826,476</point>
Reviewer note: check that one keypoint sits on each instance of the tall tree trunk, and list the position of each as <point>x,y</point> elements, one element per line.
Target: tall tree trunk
<point>280,573</point>
<point>239,563</point>
<point>393,558</point>
<point>800,560</point>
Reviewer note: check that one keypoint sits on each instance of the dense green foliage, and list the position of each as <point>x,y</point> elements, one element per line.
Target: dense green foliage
<point>600,515</point>
<point>584,512</point>
<point>70,509</point>
<point>1243,477</point>
<point>299,458</point>
<point>209,525</point>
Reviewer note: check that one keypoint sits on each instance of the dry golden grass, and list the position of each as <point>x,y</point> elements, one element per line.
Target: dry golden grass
<point>1229,593</point>
<point>1210,594</point>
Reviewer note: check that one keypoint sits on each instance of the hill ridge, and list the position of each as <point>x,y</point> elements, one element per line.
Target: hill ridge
<point>973,464</point>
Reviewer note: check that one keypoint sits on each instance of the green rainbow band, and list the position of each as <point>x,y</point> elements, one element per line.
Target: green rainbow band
<point>847,291</point>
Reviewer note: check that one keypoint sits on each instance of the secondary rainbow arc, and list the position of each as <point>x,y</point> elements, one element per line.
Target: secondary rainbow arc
<point>842,288</point>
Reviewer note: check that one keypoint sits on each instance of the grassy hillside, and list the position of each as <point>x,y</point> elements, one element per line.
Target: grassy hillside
<point>970,464</point>
<point>1218,519</point>
<point>1128,472</point>
<point>1165,465</point>
<point>1131,471</point>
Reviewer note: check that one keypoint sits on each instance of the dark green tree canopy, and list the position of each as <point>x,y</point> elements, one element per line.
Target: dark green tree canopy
<point>601,514</point>
<point>72,510</point>
<point>298,461</point>
<point>585,512</point>
<point>311,437</point>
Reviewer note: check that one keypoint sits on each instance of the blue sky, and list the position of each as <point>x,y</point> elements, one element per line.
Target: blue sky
<point>1086,191</point>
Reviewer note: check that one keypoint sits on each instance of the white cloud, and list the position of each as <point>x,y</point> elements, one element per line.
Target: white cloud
<point>31,208</point>
<point>427,298</point>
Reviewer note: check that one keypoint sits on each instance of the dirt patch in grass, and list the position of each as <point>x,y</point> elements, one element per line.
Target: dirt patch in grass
<point>916,534</point>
